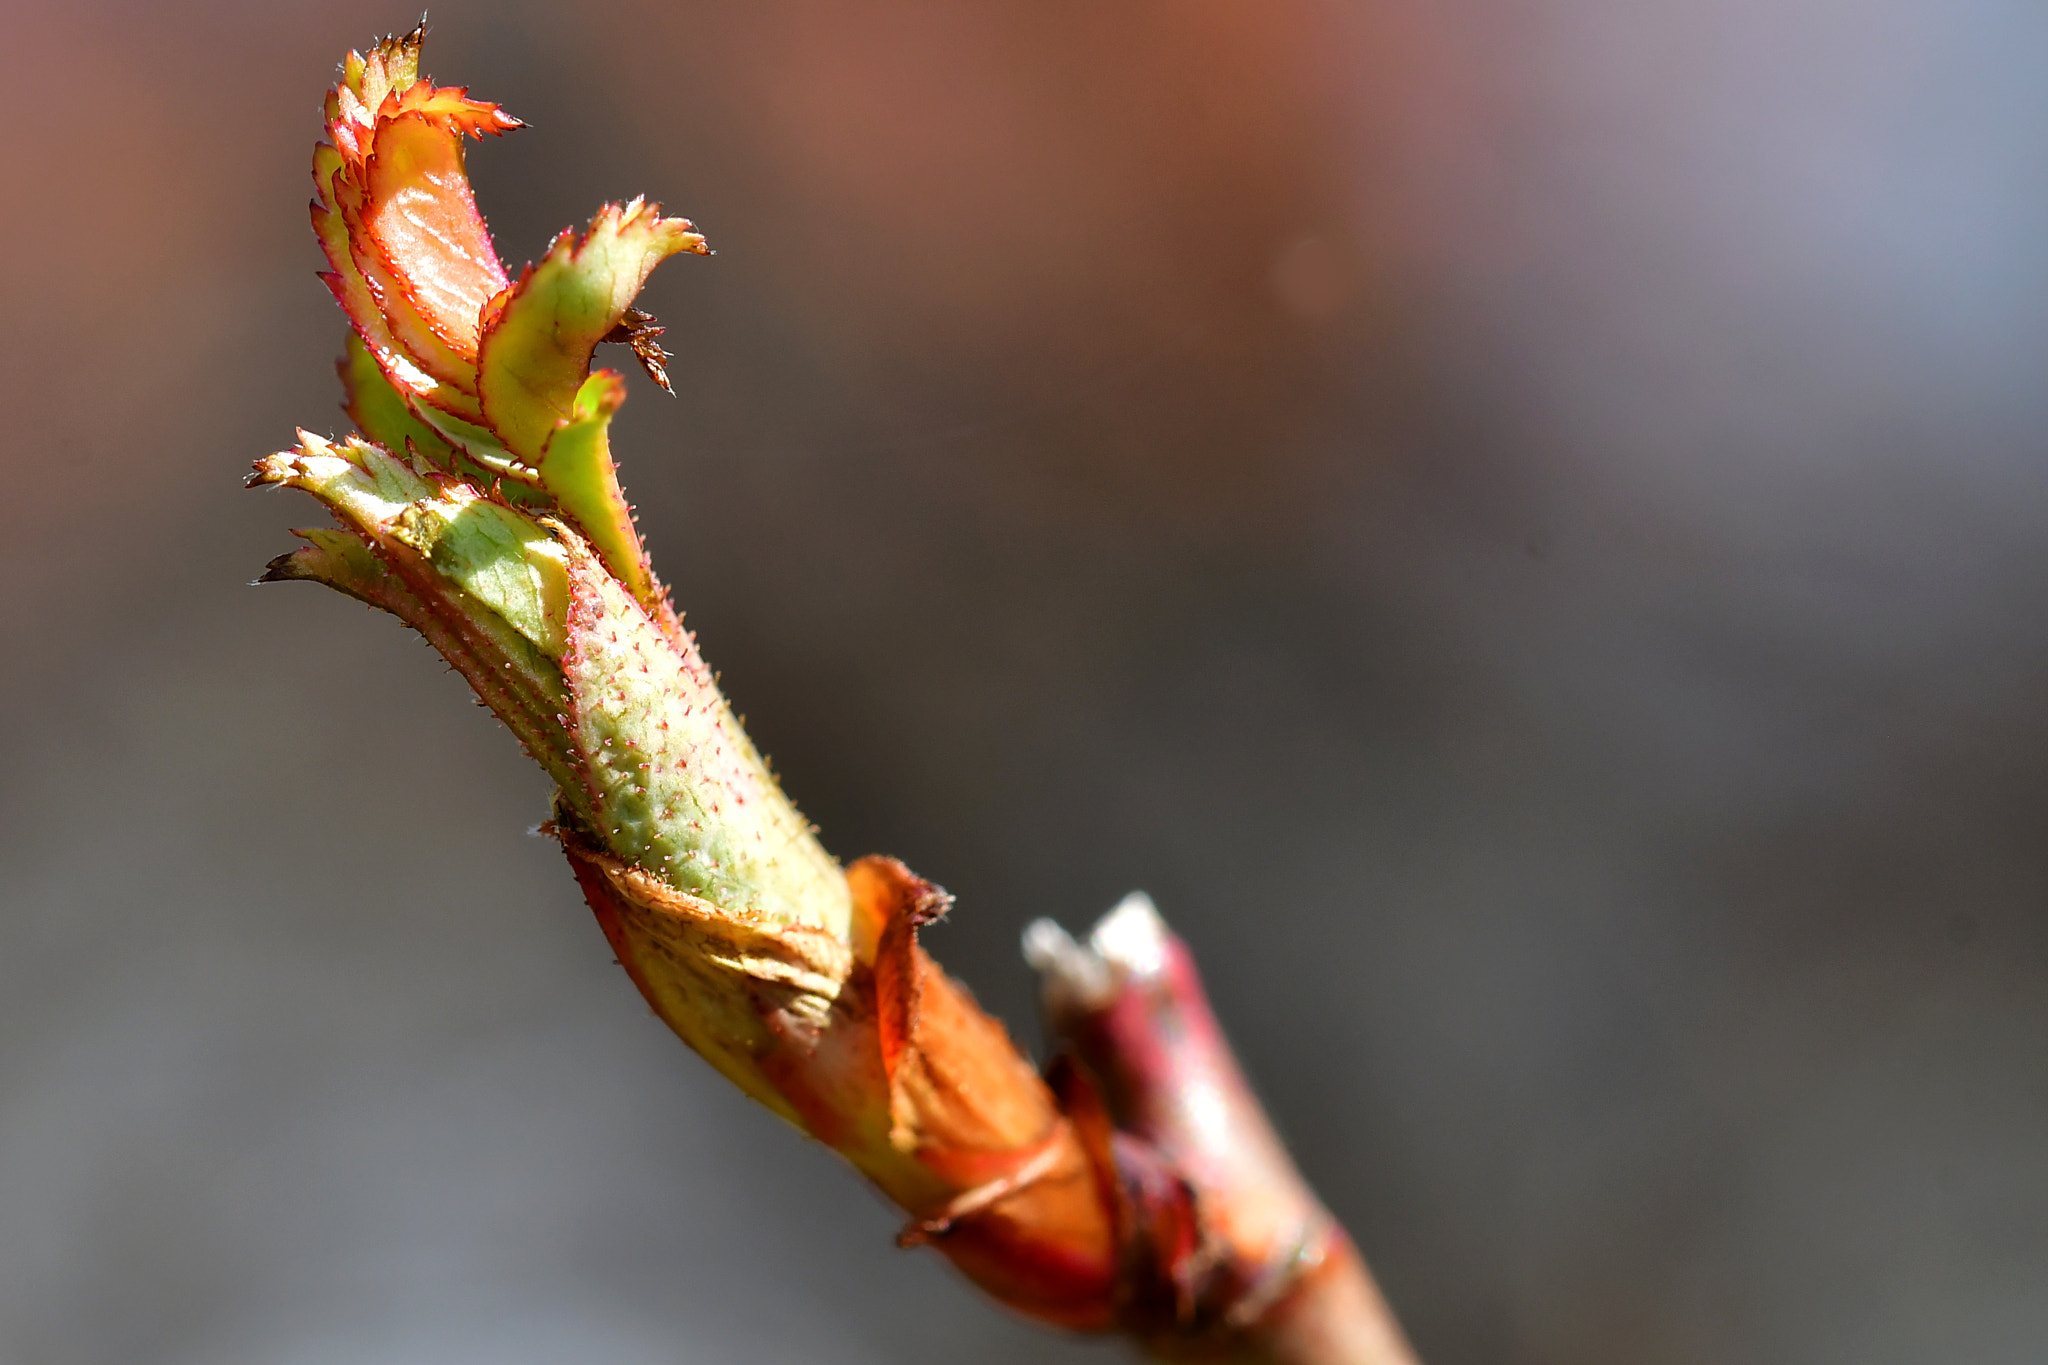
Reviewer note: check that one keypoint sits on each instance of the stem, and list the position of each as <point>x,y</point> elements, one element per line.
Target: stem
<point>1246,1264</point>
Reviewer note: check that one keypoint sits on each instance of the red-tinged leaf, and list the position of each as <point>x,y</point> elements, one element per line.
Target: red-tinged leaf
<point>402,314</point>
<point>412,261</point>
<point>431,355</point>
<point>349,140</point>
<point>352,117</point>
<point>420,212</point>
<point>392,64</point>
<point>449,104</point>
<point>351,290</point>
<point>347,284</point>
<point>535,352</point>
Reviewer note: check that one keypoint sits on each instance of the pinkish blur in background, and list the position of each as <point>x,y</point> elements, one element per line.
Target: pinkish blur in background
<point>1525,527</point>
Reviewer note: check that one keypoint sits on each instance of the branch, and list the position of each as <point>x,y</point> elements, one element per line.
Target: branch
<point>1247,1264</point>
<point>1135,1185</point>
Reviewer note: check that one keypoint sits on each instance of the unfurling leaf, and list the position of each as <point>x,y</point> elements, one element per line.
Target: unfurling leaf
<point>536,349</point>
<point>485,372</point>
<point>479,503</point>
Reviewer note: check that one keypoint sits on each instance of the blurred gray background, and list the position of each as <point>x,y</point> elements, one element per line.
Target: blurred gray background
<point>1524,526</point>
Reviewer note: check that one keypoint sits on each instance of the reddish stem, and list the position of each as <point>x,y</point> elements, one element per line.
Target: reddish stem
<point>1241,1262</point>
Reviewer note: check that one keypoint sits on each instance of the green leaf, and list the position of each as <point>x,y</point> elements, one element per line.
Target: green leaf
<point>578,471</point>
<point>483,583</point>
<point>503,558</point>
<point>535,352</point>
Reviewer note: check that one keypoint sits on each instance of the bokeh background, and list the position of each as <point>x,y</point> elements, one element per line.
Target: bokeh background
<point>1523,525</point>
